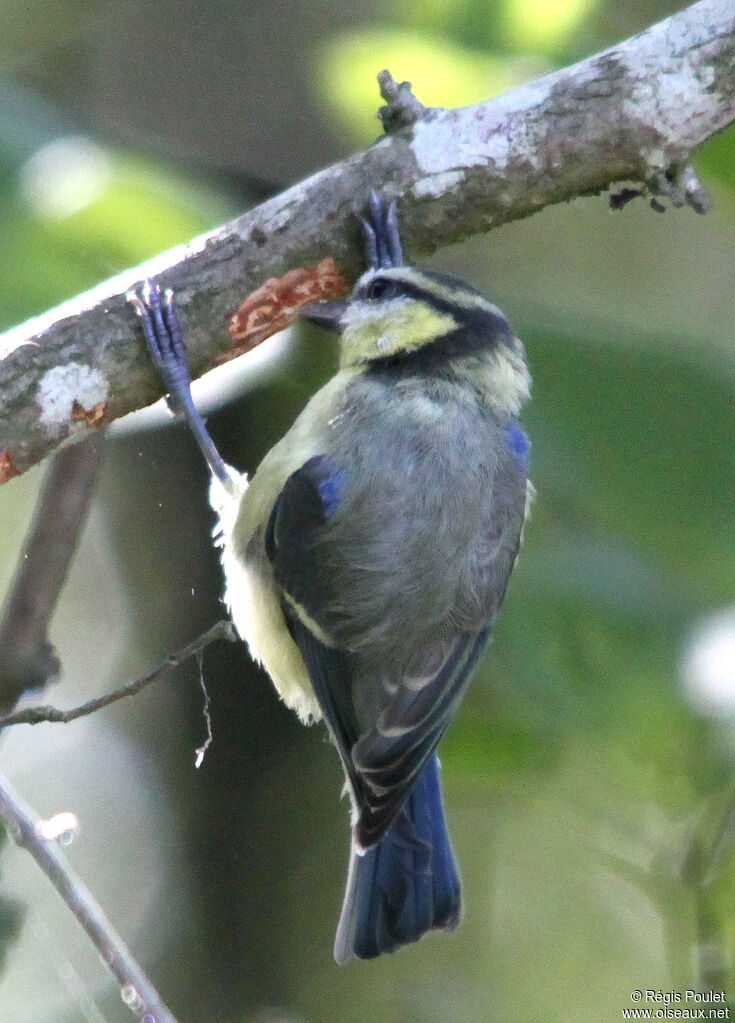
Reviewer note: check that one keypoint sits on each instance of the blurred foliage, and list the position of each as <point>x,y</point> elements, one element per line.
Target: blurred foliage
<point>551,27</point>
<point>717,158</point>
<point>137,211</point>
<point>588,792</point>
<point>454,52</point>
<point>442,73</point>
<point>543,24</point>
<point>81,210</point>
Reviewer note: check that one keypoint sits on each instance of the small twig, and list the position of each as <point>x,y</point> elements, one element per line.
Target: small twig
<point>27,659</point>
<point>23,824</point>
<point>201,752</point>
<point>40,714</point>
<point>707,855</point>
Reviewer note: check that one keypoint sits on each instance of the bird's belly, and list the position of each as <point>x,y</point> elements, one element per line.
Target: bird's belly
<point>252,599</point>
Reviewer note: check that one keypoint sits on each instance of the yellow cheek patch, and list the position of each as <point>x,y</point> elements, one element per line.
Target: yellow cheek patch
<point>378,330</point>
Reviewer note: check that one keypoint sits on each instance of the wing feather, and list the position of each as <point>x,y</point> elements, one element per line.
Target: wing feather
<point>385,722</point>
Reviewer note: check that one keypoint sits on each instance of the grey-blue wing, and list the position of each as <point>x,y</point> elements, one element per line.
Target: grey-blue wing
<point>383,761</point>
<point>389,756</point>
<point>390,619</point>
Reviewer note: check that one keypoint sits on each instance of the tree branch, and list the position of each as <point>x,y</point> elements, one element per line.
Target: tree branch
<point>27,659</point>
<point>634,112</point>
<point>37,715</point>
<point>25,828</point>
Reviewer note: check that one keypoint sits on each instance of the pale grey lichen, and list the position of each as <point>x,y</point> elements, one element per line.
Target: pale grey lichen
<point>61,387</point>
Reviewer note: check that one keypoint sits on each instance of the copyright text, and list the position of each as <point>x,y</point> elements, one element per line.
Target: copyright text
<point>688,1004</point>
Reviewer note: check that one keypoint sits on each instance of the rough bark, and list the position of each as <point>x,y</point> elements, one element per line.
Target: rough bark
<point>632,113</point>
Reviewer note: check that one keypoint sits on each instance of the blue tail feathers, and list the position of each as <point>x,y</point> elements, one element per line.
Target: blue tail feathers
<point>405,885</point>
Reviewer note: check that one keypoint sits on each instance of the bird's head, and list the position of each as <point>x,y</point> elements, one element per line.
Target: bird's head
<point>426,319</point>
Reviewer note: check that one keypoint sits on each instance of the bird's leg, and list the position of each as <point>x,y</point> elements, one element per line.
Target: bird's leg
<point>166,346</point>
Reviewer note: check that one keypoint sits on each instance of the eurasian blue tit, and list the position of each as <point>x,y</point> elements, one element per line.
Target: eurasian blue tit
<point>367,559</point>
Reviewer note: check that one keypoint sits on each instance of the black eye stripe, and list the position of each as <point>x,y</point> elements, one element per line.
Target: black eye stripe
<point>380,288</point>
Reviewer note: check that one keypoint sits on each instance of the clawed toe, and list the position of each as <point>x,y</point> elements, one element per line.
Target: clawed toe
<point>157,313</point>
<point>381,234</point>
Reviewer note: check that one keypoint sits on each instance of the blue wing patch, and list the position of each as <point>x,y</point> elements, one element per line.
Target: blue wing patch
<point>518,442</point>
<point>330,487</point>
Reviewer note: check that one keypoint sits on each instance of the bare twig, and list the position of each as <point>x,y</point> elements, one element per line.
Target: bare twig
<point>201,752</point>
<point>27,659</point>
<point>682,885</point>
<point>24,827</point>
<point>40,714</point>
<point>634,112</point>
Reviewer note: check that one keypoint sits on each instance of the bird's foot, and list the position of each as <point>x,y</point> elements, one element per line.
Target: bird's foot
<point>382,237</point>
<point>165,342</point>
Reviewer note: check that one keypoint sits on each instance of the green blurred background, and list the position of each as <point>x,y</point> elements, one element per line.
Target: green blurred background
<point>589,773</point>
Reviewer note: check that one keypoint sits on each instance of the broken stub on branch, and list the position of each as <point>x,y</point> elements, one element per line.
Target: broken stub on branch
<point>275,304</point>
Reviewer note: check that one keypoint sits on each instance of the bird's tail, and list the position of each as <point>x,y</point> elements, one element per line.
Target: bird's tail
<point>405,885</point>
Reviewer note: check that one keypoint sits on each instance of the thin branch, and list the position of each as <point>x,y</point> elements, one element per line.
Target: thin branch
<point>633,113</point>
<point>24,827</point>
<point>27,659</point>
<point>40,714</point>
<point>707,858</point>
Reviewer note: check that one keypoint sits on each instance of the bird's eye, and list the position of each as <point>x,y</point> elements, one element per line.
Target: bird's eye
<point>382,288</point>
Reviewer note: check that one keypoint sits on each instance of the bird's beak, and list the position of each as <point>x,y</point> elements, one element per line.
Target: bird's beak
<point>324,314</point>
